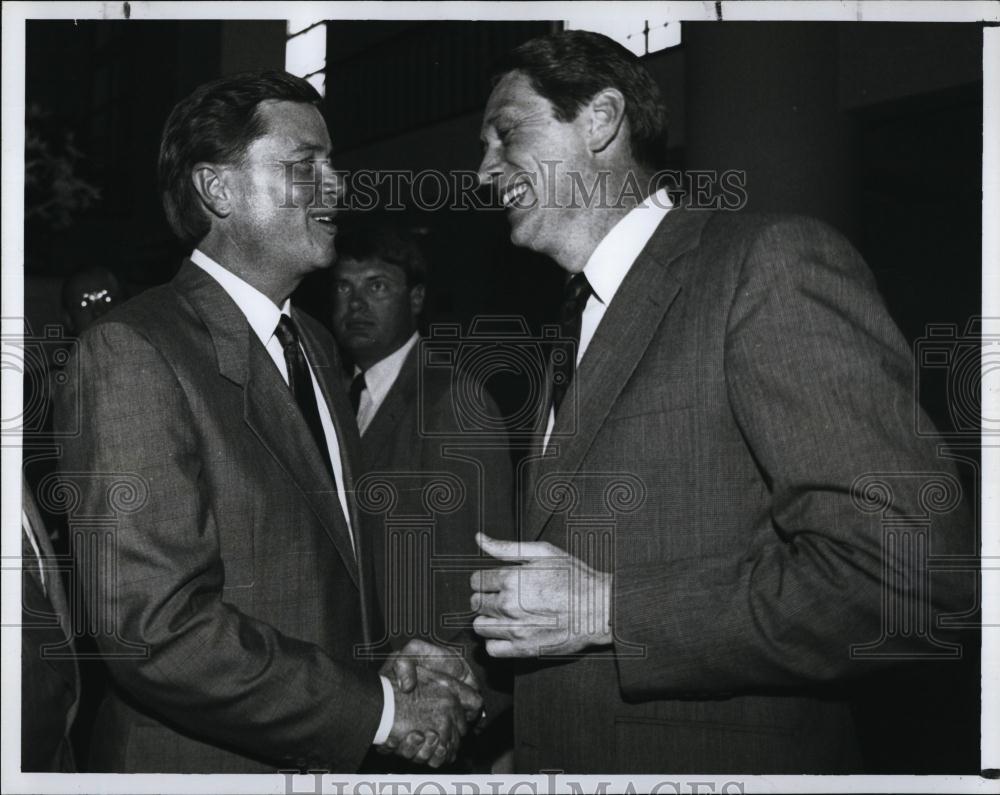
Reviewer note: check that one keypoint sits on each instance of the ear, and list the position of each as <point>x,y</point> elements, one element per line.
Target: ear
<point>209,180</point>
<point>417,295</point>
<point>606,113</point>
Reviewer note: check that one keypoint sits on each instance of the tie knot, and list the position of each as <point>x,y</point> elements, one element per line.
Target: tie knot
<point>286,332</point>
<point>358,386</point>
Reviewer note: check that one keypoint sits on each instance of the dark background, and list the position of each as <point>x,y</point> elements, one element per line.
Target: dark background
<point>874,128</point>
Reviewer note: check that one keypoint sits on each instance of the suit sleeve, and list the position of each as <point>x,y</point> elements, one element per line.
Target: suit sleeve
<point>820,387</point>
<point>203,666</point>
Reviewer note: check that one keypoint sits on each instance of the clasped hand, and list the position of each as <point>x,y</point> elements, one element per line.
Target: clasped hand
<point>437,700</point>
<point>552,603</point>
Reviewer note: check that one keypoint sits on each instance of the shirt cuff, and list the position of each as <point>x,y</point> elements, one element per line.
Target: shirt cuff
<point>388,713</point>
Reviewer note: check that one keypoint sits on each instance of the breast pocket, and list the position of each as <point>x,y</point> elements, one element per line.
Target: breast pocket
<point>653,397</point>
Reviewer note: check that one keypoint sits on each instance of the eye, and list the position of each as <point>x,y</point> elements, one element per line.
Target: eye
<point>378,285</point>
<point>342,288</point>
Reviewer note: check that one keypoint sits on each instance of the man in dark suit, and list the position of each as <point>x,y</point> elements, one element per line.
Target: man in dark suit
<point>711,532</point>
<point>50,679</point>
<point>411,437</point>
<point>238,590</point>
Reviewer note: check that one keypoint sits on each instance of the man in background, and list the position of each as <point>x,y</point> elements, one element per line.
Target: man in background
<point>413,443</point>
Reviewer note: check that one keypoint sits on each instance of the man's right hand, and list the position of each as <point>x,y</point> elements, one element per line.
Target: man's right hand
<point>430,718</point>
<point>402,668</point>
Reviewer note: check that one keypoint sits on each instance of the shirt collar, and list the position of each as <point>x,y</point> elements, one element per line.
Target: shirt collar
<point>611,260</point>
<point>380,377</point>
<point>260,311</point>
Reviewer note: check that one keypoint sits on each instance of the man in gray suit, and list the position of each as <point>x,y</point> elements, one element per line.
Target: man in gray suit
<point>238,594</point>
<point>707,528</point>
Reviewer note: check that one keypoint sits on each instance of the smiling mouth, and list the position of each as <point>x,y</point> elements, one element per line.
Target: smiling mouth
<point>513,195</point>
<point>328,221</point>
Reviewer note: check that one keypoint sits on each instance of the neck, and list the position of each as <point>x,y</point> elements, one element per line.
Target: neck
<point>627,189</point>
<point>269,281</point>
<point>367,362</point>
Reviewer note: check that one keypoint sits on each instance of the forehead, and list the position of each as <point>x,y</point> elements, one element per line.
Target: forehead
<point>292,125</point>
<point>350,268</point>
<point>514,94</point>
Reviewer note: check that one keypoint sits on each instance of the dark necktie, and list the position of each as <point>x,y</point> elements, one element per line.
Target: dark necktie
<point>300,382</point>
<point>358,386</point>
<point>575,296</point>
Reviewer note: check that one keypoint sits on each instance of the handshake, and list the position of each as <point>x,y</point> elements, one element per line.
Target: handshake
<point>437,700</point>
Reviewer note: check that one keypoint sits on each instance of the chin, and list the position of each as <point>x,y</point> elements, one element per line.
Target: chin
<point>519,234</point>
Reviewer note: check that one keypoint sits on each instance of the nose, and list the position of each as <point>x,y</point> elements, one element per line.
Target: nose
<point>489,169</point>
<point>333,184</point>
<point>355,300</point>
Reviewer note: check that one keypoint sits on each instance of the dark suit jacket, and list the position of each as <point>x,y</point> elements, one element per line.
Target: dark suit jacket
<point>447,486</point>
<point>50,679</point>
<point>743,383</point>
<point>230,601</point>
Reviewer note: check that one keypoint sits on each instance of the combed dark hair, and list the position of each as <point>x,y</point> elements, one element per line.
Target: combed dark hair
<point>217,123</point>
<point>389,242</point>
<point>570,67</point>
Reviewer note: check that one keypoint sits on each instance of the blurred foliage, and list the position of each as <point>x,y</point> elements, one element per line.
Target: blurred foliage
<point>54,190</point>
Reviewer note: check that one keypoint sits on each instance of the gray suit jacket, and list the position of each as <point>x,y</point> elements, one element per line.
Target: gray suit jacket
<point>220,579</point>
<point>741,399</point>
<point>446,486</point>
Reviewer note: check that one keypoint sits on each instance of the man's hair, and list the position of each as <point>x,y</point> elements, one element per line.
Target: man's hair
<point>217,123</point>
<point>569,68</point>
<point>361,241</point>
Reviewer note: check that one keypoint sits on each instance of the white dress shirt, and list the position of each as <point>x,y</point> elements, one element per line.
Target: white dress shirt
<point>263,316</point>
<point>610,263</point>
<point>29,531</point>
<point>379,379</point>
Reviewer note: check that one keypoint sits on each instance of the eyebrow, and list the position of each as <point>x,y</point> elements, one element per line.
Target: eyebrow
<point>307,146</point>
<point>505,111</point>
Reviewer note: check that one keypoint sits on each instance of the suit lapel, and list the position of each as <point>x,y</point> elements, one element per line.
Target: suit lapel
<point>620,342</point>
<point>269,408</point>
<point>401,395</point>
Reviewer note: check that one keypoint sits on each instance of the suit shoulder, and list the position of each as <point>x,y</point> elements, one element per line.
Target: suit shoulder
<point>314,326</point>
<point>781,229</point>
<point>144,314</point>
<point>779,243</point>
<point>159,319</point>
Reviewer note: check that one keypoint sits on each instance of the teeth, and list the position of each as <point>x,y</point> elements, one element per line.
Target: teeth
<point>512,194</point>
